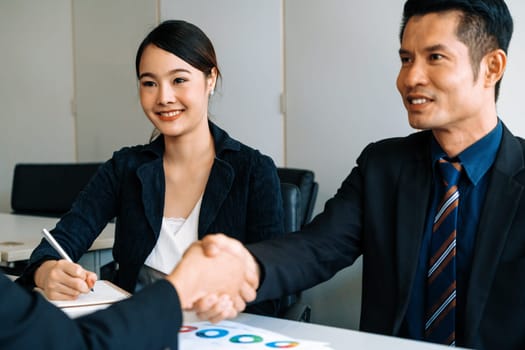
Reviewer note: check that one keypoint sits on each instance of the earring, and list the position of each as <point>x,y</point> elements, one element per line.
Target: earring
<point>212,92</point>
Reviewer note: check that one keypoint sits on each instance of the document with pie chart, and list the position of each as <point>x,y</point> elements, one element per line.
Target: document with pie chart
<point>232,336</point>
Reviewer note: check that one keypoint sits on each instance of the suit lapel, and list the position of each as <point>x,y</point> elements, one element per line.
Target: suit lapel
<point>501,203</point>
<point>217,189</point>
<point>151,176</point>
<point>412,206</point>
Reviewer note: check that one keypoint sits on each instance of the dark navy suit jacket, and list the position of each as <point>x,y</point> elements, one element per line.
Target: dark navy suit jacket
<point>242,199</point>
<point>149,320</point>
<point>379,212</point>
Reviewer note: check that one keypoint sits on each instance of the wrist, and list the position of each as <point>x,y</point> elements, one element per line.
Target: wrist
<point>187,287</point>
<point>42,272</point>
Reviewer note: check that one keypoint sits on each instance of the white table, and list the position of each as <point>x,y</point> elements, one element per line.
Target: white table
<point>20,234</point>
<point>338,338</point>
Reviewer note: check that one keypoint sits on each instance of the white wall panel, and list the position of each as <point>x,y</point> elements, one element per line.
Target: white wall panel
<point>36,121</point>
<point>106,36</point>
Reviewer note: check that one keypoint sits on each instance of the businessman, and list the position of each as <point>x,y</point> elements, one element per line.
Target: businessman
<point>439,215</point>
<point>150,319</point>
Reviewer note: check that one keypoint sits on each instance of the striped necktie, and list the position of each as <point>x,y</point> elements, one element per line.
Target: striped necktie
<point>440,325</point>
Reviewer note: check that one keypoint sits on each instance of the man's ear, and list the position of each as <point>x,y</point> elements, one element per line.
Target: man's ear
<point>496,62</point>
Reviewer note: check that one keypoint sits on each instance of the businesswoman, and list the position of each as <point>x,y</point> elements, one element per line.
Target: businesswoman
<point>190,180</point>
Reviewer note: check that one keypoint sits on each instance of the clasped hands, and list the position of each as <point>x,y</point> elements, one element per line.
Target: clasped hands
<point>216,277</point>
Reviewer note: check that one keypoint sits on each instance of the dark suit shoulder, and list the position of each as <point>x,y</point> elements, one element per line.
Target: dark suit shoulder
<point>412,146</point>
<point>30,322</point>
<point>239,155</point>
<point>522,143</point>
<point>33,323</point>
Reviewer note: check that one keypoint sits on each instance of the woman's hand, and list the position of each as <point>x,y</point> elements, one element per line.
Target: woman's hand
<point>63,280</point>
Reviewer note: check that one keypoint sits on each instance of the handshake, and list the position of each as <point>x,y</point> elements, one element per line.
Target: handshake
<point>216,277</point>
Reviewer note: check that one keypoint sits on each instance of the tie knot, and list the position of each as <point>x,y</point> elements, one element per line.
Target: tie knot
<point>450,171</point>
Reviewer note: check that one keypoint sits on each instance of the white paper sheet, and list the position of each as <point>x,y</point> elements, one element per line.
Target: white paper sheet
<point>233,335</point>
<point>104,292</point>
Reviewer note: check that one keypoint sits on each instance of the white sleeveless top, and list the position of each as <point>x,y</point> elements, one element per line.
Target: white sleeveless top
<point>176,235</point>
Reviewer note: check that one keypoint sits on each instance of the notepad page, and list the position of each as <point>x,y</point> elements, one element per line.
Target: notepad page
<point>78,311</point>
<point>104,292</point>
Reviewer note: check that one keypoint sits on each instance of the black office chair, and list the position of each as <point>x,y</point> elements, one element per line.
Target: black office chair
<point>290,305</point>
<point>291,195</point>
<point>48,189</point>
<point>305,180</point>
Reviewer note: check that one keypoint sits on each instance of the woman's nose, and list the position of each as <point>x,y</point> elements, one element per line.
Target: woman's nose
<point>166,95</point>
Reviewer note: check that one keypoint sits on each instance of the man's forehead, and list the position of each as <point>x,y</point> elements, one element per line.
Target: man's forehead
<point>445,22</point>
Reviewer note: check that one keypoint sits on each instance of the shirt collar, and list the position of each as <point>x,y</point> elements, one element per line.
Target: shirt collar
<point>478,157</point>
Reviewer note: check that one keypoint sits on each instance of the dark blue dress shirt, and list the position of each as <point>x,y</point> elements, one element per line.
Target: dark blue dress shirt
<point>476,160</point>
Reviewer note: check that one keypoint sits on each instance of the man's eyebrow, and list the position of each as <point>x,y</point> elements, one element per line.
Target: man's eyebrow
<point>431,48</point>
<point>437,47</point>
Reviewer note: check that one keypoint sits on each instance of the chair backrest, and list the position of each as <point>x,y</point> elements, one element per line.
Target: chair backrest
<point>291,206</point>
<point>305,180</point>
<point>292,222</point>
<point>48,189</point>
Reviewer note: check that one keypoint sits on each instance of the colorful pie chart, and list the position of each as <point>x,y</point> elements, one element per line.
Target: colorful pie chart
<point>284,344</point>
<point>246,339</point>
<point>212,333</point>
<point>186,329</point>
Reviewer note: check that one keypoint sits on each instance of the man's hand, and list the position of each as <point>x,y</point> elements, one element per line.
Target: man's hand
<point>221,282</point>
<point>220,243</point>
<point>212,307</point>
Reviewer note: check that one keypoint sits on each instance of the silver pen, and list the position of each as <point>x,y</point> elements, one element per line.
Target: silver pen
<point>51,240</point>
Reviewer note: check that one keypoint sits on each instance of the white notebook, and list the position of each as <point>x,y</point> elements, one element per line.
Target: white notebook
<point>104,294</point>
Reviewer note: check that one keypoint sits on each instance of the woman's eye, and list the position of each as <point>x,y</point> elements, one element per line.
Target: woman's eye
<point>148,83</point>
<point>179,80</point>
